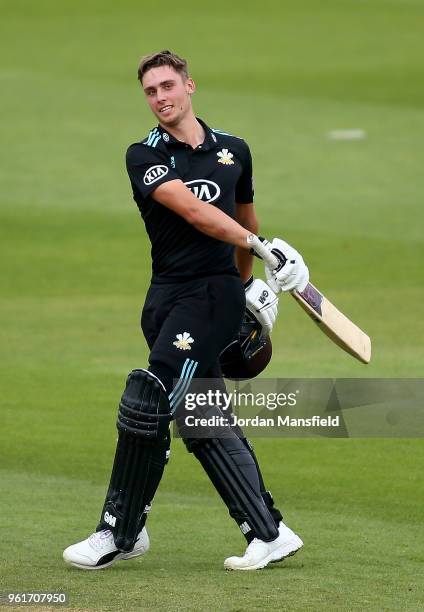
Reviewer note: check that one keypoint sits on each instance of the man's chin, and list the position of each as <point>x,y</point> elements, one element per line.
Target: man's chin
<point>169,121</point>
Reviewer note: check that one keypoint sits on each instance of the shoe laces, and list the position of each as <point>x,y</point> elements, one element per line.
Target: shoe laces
<point>100,539</point>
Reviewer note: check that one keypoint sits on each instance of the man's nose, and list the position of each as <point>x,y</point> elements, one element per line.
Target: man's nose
<point>161,95</point>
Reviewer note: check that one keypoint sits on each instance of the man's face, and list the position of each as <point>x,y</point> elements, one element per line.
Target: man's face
<point>168,94</point>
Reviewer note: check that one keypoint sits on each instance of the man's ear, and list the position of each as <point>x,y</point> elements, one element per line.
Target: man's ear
<point>190,86</point>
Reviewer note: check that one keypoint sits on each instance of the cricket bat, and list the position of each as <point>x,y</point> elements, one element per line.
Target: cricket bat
<point>329,319</point>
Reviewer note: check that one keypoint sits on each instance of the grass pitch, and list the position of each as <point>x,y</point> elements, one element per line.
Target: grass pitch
<point>76,268</point>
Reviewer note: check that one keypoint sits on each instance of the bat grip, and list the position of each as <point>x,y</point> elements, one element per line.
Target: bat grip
<point>263,252</point>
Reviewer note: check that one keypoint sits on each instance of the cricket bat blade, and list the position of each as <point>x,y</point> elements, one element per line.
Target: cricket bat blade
<point>333,323</point>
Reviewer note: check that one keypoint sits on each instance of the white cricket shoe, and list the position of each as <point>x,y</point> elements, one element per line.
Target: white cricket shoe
<point>99,551</point>
<point>292,542</point>
<point>259,553</point>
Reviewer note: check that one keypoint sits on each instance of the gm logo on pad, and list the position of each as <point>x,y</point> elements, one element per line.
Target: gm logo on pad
<point>204,190</point>
<point>110,519</point>
<point>155,173</point>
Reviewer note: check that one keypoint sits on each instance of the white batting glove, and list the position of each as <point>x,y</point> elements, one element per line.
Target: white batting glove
<point>262,303</point>
<point>293,274</point>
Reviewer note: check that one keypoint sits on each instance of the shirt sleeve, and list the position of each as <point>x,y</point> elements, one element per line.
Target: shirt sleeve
<point>148,168</point>
<point>244,187</point>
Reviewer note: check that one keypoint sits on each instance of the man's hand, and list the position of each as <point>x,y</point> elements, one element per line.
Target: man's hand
<point>262,303</point>
<point>292,272</point>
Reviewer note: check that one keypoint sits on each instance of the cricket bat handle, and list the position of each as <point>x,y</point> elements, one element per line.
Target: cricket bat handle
<point>262,251</point>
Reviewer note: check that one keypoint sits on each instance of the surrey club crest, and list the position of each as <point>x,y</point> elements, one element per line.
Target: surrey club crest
<point>225,157</point>
<point>183,341</point>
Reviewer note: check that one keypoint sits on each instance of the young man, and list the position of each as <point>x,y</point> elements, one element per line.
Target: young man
<point>193,187</point>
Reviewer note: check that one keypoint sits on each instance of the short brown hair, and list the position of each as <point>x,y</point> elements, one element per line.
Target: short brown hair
<point>162,58</point>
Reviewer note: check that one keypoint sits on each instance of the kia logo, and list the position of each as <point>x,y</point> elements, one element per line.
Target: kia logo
<point>154,173</point>
<point>204,190</point>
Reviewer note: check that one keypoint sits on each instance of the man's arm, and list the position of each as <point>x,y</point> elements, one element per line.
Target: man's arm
<point>215,223</point>
<point>204,217</point>
<point>246,217</point>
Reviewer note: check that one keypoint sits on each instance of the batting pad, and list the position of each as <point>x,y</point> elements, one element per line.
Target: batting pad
<point>140,458</point>
<point>232,470</point>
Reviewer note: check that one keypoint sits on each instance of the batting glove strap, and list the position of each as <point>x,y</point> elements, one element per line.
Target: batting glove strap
<point>248,283</point>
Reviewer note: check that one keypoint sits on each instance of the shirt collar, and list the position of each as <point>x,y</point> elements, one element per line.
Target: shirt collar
<point>210,141</point>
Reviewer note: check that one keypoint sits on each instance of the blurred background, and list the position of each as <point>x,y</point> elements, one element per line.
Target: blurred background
<point>287,76</point>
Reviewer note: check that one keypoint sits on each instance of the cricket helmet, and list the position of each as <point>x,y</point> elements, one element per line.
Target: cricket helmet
<point>248,354</point>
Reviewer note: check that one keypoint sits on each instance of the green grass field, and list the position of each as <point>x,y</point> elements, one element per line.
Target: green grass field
<point>76,268</point>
